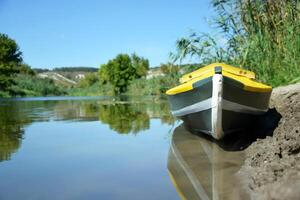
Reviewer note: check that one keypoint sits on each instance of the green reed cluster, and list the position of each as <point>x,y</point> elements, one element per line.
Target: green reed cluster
<point>260,35</point>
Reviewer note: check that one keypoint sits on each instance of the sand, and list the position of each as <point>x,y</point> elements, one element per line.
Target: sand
<point>272,166</point>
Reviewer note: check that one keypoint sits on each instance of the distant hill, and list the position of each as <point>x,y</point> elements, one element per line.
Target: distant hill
<point>67,69</point>
<point>184,68</point>
<point>65,76</point>
<point>40,70</point>
<point>75,69</point>
<point>57,78</point>
<point>69,76</point>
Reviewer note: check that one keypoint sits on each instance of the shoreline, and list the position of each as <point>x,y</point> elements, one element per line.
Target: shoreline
<point>272,166</point>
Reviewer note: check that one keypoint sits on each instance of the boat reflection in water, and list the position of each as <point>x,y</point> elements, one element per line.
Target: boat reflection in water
<point>201,169</point>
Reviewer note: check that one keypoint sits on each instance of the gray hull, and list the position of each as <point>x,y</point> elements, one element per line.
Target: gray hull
<point>218,105</point>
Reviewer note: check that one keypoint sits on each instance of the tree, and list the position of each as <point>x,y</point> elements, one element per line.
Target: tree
<point>103,74</point>
<point>88,80</point>
<point>10,59</point>
<point>9,50</point>
<point>25,69</point>
<point>170,69</point>
<point>118,72</point>
<point>140,64</point>
<point>121,72</point>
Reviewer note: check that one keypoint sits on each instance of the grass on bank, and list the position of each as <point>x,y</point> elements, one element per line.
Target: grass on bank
<point>138,87</point>
<point>96,89</point>
<point>262,36</point>
<point>272,46</point>
<point>30,85</point>
<point>154,86</point>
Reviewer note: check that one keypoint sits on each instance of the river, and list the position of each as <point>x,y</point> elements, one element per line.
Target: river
<point>106,148</point>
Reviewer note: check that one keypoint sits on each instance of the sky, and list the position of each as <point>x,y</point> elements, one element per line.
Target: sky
<point>59,33</point>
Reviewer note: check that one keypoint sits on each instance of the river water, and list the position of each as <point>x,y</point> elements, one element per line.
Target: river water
<point>106,148</point>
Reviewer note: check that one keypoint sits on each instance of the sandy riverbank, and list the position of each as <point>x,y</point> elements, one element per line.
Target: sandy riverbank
<point>272,166</point>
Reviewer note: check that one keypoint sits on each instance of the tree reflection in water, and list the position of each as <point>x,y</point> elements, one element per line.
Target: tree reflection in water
<point>11,131</point>
<point>124,118</point>
<point>129,116</point>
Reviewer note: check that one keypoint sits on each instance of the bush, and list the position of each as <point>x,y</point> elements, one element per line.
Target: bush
<point>153,86</point>
<point>121,70</point>
<point>33,86</point>
<point>89,80</point>
<point>97,89</point>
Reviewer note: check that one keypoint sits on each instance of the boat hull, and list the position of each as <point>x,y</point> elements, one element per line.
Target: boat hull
<point>201,169</point>
<point>218,105</point>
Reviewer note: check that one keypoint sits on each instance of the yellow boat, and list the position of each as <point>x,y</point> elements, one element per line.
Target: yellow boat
<point>219,99</point>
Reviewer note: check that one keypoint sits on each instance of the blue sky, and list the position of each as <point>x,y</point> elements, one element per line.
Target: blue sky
<point>57,33</point>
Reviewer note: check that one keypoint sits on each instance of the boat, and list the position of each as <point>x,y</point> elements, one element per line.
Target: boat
<point>219,99</point>
<point>201,169</point>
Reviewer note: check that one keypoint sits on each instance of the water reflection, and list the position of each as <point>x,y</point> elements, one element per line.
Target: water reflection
<point>127,117</point>
<point>10,140</point>
<point>124,118</point>
<point>200,169</point>
<point>11,131</point>
<point>130,116</point>
<point>76,149</point>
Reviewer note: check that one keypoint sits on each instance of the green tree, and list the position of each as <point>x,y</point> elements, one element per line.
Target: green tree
<point>103,74</point>
<point>88,80</point>
<point>140,64</point>
<point>120,71</point>
<point>10,59</point>
<point>170,69</point>
<point>25,69</point>
<point>9,50</point>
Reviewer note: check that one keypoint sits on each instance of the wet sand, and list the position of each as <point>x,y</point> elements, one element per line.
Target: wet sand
<point>272,166</point>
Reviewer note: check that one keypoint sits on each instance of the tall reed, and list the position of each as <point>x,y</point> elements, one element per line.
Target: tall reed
<point>260,35</point>
<point>272,39</point>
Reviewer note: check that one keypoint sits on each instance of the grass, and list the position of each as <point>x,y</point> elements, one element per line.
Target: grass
<point>138,87</point>
<point>96,89</point>
<point>154,86</point>
<point>262,36</point>
<point>4,94</point>
<point>272,43</point>
<point>28,85</point>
